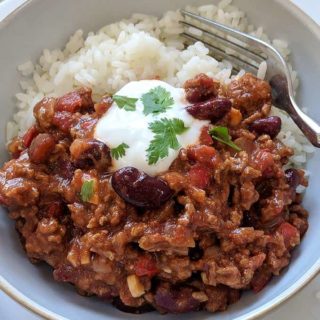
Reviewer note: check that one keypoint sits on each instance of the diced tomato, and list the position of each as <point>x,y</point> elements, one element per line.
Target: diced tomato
<point>63,120</point>
<point>204,155</point>
<point>205,137</point>
<point>260,280</point>
<point>145,266</point>
<point>74,101</point>
<point>291,235</point>
<point>199,176</point>
<point>70,102</point>
<point>262,160</point>
<point>29,136</point>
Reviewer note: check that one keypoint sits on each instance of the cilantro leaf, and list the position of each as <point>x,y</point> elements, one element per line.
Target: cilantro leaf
<point>119,151</point>
<point>86,192</point>
<point>126,103</point>
<point>221,134</point>
<point>157,100</point>
<point>165,138</point>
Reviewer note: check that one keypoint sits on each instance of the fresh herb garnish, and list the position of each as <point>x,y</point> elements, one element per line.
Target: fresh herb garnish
<point>126,103</point>
<point>221,134</point>
<point>86,192</point>
<point>119,151</point>
<point>166,131</point>
<point>157,100</point>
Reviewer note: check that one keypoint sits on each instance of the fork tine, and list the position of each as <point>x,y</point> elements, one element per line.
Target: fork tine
<point>228,43</point>
<point>241,64</point>
<point>246,38</point>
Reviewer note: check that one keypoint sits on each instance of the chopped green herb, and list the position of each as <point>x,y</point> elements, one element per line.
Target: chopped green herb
<point>166,131</point>
<point>119,151</point>
<point>87,190</point>
<point>221,134</point>
<point>126,103</point>
<point>157,100</point>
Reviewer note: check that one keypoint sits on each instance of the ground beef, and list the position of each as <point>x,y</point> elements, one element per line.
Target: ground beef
<point>229,222</point>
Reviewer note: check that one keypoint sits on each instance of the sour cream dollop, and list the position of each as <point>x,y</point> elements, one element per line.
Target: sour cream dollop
<point>118,126</point>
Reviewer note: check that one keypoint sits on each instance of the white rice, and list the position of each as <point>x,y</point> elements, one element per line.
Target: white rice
<point>141,47</point>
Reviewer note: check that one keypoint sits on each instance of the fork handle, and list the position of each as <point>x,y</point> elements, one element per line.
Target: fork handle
<point>308,126</point>
<point>282,100</point>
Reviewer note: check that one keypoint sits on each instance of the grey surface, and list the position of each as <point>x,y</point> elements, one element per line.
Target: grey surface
<point>303,306</point>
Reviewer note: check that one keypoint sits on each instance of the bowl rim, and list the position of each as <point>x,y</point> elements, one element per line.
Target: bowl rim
<point>38,309</point>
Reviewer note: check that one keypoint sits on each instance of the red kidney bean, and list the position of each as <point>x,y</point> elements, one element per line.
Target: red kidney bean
<point>41,148</point>
<point>270,126</point>
<point>201,88</point>
<point>139,189</point>
<point>29,136</point>
<point>293,177</point>
<point>86,153</point>
<point>213,109</point>
<point>175,300</point>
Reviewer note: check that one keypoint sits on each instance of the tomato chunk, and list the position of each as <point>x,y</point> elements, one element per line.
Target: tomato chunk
<point>75,100</point>
<point>199,176</point>
<point>205,137</point>
<point>145,266</point>
<point>291,235</point>
<point>204,155</point>
<point>263,160</point>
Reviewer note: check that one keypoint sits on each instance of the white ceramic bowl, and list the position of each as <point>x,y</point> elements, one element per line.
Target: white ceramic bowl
<point>48,24</point>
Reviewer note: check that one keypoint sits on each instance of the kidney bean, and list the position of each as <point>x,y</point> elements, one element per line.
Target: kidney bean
<point>270,126</point>
<point>41,148</point>
<point>139,189</point>
<point>201,88</point>
<point>175,300</point>
<point>213,109</point>
<point>29,136</point>
<point>86,153</point>
<point>293,177</point>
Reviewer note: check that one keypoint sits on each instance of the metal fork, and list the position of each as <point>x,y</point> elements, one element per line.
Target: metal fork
<point>247,52</point>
